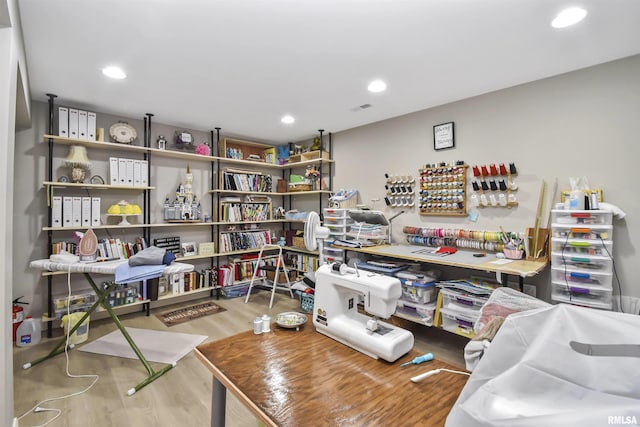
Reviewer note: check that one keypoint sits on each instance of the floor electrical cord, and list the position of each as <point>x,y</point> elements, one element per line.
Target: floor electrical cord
<point>38,407</point>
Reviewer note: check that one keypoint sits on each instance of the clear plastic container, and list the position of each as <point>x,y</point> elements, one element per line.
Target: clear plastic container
<point>572,277</point>
<point>584,295</point>
<point>457,301</point>
<point>585,263</point>
<point>29,332</point>
<point>559,216</point>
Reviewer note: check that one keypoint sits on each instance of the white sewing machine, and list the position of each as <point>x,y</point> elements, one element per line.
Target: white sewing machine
<point>335,311</point>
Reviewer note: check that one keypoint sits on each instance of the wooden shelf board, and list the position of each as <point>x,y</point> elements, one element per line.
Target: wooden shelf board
<point>56,184</point>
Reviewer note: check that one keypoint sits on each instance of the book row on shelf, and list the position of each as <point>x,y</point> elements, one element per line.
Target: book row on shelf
<point>179,283</point>
<point>108,249</point>
<point>232,212</point>
<point>302,262</point>
<point>247,181</point>
<point>242,240</point>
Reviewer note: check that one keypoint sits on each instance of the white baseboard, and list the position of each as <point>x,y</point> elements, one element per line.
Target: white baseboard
<point>630,305</point>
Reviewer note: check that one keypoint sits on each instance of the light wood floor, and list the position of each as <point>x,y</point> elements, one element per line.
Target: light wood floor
<point>182,397</point>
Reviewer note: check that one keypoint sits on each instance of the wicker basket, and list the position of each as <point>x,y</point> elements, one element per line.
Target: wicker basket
<point>298,242</point>
<point>299,187</point>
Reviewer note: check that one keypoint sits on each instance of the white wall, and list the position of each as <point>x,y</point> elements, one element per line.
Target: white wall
<point>12,95</point>
<point>580,123</point>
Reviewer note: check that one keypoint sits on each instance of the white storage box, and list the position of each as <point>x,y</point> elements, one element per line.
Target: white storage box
<point>581,217</point>
<point>588,296</point>
<point>581,278</point>
<point>458,323</point>
<point>593,263</point>
<point>415,312</point>
<point>421,293</point>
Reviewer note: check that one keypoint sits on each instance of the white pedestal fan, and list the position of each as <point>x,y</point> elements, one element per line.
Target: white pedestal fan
<point>314,235</point>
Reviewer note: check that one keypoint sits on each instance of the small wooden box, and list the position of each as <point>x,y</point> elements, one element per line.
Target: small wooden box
<point>282,277</point>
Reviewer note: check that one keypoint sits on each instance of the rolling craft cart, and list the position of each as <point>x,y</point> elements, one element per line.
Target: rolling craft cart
<point>581,258</point>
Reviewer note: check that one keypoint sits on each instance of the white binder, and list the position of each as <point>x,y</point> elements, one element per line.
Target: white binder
<point>144,173</point>
<point>56,211</point>
<point>130,172</point>
<point>73,123</point>
<point>137,165</point>
<point>91,126</point>
<point>85,216</point>
<point>67,211</point>
<point>113,171</point>
<point>122,171</point>
<point>63,121</point>
<point>76,211</point>
<point>95,211</point>
<point>82,124</point>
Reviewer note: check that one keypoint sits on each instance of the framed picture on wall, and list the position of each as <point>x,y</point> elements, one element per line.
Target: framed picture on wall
<point>443,136</point>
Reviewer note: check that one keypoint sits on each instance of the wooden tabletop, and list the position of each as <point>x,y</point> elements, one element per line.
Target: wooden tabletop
<point>296,378</point>
<point>462,258</point>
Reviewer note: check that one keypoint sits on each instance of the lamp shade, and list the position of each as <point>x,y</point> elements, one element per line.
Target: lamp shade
<point>77,157</point>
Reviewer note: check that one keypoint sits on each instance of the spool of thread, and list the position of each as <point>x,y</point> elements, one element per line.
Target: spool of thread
<point>266,323</point>
<point>594,200</point>
<point>257,325</point>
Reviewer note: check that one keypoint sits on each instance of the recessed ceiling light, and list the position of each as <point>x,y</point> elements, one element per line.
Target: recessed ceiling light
<point>377,86</point>
<point>569,17</point>
<point>287,119</point>
<point>114,72</point>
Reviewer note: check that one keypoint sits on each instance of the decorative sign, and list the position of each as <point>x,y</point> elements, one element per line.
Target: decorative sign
<point>443,136</point>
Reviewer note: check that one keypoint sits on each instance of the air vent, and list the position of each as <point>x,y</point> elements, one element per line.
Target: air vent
<point>361,107</point>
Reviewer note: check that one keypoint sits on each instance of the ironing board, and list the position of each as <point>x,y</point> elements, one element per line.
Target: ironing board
<point>108,267</point>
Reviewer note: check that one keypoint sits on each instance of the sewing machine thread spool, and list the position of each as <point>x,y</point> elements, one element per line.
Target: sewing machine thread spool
<point>266,323</point>
<point>257,325</point>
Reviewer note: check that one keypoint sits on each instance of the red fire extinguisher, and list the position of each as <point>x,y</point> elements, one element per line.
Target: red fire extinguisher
<point>17,315</point>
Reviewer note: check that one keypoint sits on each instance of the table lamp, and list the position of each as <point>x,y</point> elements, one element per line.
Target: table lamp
<point>79,163</point>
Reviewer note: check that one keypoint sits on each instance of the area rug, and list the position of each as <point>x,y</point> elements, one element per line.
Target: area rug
<point>156,346</point>
<point>184,314</point>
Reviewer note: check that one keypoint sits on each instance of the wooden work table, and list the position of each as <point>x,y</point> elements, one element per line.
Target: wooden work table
<point>295,378</point>
<point>460,259</point>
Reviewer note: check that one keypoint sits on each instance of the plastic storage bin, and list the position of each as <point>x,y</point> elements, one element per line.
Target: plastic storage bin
<point>567,246</point>
<point>234,291</point>
<point>415,312</point>
<point>79,335</point>
<point>568,277</point>
<point>593,232</point>
<point>421,293</point>
<point>459,323</point>
<point>460,302</point>
<point>581,217</point>
<point>587,263</point>
<point>585,295</point>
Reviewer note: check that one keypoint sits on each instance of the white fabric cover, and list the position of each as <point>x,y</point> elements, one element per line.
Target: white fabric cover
<point>502,302</point>
<point>530,376</point>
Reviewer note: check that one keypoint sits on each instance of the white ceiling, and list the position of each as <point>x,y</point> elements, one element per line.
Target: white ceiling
<point>243,64</point>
